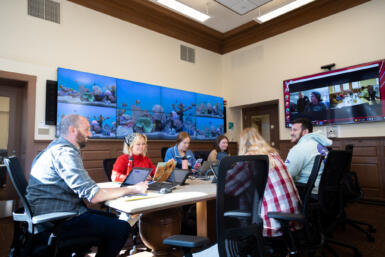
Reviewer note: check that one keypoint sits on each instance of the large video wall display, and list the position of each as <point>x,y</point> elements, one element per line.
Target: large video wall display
<point>117,107</point>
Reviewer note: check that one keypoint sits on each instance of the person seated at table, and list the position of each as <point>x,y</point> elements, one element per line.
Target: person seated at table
<point>280,194</point>
<point>134,155</point>
<point>59,183</point>
<point>220,149</point>
<point>181,152</point>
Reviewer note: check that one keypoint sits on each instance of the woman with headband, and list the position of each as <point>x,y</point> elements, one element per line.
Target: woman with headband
<point>134,155</point>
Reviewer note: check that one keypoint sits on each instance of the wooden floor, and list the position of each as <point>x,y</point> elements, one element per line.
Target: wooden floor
<point>372,214</point>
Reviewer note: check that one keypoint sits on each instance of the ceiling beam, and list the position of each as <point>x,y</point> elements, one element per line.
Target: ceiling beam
<point>157,18</point>
<point>253,32</point>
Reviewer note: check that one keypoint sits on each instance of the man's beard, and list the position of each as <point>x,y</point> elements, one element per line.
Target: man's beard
<point>82,141</point>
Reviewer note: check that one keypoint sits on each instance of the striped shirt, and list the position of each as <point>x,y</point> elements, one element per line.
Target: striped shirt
<point>280,194</point>
<point>58,180</point>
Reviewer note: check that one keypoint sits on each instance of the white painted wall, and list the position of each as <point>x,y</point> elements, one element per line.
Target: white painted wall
<point>255,73</point>
<point>90,41</point>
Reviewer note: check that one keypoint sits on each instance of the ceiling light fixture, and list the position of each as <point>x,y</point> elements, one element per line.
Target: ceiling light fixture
<point>282,10</point>
<point>184,9</point>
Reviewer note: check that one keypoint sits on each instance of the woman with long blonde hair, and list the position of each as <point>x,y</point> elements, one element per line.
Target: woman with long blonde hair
<point>280,195</point>
<point>134,155</point>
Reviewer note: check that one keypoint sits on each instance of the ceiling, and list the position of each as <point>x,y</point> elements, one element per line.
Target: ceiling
<point>223,19</point>
<point>226,30</point>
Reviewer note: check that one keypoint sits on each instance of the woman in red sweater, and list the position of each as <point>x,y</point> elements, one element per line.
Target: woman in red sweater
<point>134,149</point>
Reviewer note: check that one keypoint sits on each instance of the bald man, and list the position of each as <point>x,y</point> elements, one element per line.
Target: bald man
<point>59,183</point>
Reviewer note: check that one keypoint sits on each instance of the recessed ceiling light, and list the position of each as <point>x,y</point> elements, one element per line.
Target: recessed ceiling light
<point>282,10</point>
<point>184,9</point>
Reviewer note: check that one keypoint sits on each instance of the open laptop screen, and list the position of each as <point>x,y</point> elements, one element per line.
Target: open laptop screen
<point>136,175</point>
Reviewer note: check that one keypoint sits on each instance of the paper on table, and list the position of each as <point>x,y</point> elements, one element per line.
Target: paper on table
<point>140,196</point>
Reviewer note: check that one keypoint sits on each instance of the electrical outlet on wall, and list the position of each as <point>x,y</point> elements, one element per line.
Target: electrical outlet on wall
<point>332,131</point>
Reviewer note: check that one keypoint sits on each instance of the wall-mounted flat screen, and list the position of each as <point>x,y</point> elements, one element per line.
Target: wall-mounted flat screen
<point>118,107</point>
<point>349,95</point>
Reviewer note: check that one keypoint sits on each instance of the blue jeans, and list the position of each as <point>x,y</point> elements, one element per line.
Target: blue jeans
<point>112,231</point>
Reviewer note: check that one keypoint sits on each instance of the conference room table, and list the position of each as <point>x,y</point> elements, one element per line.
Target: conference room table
<point>161,214</point>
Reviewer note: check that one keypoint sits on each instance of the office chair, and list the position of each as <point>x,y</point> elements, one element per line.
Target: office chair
<point>108,164</point>
<point>3,176</point>
<point>163,151</point>
<point>239,225</point>
<point>201,154</point>
<point>29,228</point>
<point>330,202</point>
<point>352,193</point>
<point>308,239</point>
<point>304,188</point>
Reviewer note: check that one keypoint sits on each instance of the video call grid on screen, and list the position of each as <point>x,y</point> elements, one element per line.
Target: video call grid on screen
<point>347,95</point>
<point>117,107</point>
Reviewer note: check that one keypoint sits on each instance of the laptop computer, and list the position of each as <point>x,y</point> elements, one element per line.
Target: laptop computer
<point>136,175</point>
<point>176,178</point>
<point>206,166</point>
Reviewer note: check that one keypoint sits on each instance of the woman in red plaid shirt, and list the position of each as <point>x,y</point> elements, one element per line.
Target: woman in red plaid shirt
<point>280,195</point>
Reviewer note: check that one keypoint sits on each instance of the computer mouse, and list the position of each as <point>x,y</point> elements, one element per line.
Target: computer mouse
<point>165,190</point>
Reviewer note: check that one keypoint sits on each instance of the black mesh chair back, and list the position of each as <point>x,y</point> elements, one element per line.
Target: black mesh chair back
<point>16,174</point>
<point>201,154</point>
<point>330,193</point>
<point>240,189</point>
<point>163,151</point>
<point>108,164</point>
<point>3,154</point>
<point>349,149</point>
<point>306,194</point>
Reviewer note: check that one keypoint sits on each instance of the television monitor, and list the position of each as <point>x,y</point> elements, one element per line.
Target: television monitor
<point>116,108</point>
<point>349,95</point>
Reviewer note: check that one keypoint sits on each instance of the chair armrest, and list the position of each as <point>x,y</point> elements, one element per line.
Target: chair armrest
<point>186,241</point>
<point>286,216</point>
<point>237,214</point>
<point>52,217</point>
<point>300,185</point>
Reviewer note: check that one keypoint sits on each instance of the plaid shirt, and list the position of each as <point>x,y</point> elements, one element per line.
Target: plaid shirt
<point>280,194</point>
<point>58,180</point>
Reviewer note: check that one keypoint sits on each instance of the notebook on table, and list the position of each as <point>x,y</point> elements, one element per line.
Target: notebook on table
<point>136,175</point>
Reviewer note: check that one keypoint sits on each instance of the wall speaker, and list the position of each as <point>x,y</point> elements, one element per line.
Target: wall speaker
<point>51,102</point>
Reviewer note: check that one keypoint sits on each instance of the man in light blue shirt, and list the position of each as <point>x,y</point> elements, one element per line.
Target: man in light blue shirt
<point>59,182</point>
<point>301,157</point>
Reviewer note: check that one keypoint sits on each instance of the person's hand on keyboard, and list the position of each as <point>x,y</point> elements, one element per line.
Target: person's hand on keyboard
<point>141,187</point>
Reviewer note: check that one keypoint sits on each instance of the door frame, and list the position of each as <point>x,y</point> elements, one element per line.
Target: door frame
<point>28,114</point>
<point>272,109</point>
